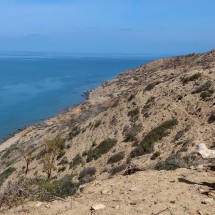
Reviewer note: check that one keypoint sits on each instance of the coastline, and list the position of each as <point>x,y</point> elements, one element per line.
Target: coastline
<point>101,95</point>
<point>57,120</point>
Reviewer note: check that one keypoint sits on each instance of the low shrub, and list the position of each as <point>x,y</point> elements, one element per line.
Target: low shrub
<point>147,144</point>
<point>147,106</point>
<point>5,174</point>
<point>117,169</point>
<point>130,133</point>
<point>134,114</point>
<point>74,132</point>
<point>105,146</point>
<point>116,157</point>
<point>204,87</point>
<point>177,161</point>
<point>24,189</point>
<point>87,175</point>
<point>211,118</point>
<point>151,86</point>
<point>155,155</point>
<point>181,133</point>
<point>205,95</point>
<point>48,191</point>
<point>97,124</point>
<point>194,77</point>
<point>166,165</point>
<point>78,159</point>
<point>7,153</point>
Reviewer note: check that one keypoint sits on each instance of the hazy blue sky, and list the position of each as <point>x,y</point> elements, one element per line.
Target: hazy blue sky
<point>108,26</point>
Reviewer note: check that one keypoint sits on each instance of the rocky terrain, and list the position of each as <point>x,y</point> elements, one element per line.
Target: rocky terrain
<point>151,117</point>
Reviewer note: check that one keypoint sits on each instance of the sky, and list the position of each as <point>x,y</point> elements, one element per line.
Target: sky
<point>142,27</point>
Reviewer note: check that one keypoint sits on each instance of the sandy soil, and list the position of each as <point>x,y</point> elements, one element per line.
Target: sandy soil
<point>179,192</point>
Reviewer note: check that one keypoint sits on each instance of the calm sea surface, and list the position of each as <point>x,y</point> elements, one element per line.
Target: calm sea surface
<point>37,88</point>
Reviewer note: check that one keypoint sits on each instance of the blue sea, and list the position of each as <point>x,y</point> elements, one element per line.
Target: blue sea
<point>34,88</point>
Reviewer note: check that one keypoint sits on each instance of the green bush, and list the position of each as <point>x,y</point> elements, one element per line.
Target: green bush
<point>47,191</point>
<point>117,169</point>
<point>155,155</point>
<point>24,189</point>
<point>5,174</point>
<point>78,159</point>
<point>147,144</point>
<point>101,149</point>
<point>194,77</point>
<point>130,133</point>
<point>166,165</point>
<point>116,157</point>
<point>177,161</point>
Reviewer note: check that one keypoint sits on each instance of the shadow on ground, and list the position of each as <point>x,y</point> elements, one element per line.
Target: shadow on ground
<point>210,185</point>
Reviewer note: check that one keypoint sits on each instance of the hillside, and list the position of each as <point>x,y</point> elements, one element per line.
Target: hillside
<point>152,116</point>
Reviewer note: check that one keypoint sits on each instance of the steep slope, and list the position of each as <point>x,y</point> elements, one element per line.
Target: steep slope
<point>151,116</point>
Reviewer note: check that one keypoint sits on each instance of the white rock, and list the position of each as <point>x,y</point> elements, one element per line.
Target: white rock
<point>39,204</point>
<point>98,206</point>
<point>105,191</point>
<point>132,189</point>
<point>208,201</point>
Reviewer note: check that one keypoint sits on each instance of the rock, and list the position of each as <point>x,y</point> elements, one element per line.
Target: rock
<point>132,189</point>
<point>200,212</point>
<point>200,167</point>
<point>105,191</point>
<point>39,204</point>
<point>208,201</point>
<point>98,206</point>
<point>203,191</point>
<point>86,189</point>
<point>81,187</point>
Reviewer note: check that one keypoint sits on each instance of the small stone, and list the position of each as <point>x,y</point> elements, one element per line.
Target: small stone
<point>132,189</point>
<point>105,191</point>
<point>96,207</point>
<point>39,204</point>
<point>81,187</point>
<point>86,189</point>
<point>200,167</point>
<point>203,191</point>
<point>208,201</point>
<point>172,202</point>
<point>133,203</point>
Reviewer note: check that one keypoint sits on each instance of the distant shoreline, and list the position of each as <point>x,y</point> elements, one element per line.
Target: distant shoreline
<point>84,93</point>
